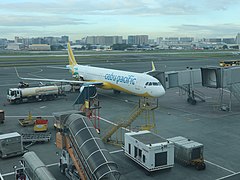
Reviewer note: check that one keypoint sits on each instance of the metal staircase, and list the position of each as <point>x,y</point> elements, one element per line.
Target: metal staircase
<point>136,112</point>
<point>144,105</point>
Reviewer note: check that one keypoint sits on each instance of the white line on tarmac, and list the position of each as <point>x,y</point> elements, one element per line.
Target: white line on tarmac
<point>220,167</point>
<point>8,84</point>
<point>53,164</point>
<point>42,107</point>
<point>108,121</point>
<point>8,174</point>
<point>228,176</point>
<point>113,123</point>
<point>117,151</point>
<point>191,120</point>
<point>26,116</point>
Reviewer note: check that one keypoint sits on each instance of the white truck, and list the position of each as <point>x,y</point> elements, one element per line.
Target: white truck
<point>149,150</point>
<point>19,95</point>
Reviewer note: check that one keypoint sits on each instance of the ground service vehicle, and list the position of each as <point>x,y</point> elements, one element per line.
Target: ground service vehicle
<point>40,125</point>
<point>11,145</point>
<point>23,85</point>
<point>149,150</point>
<point>19,95</point>
<point>2,116</point>
<point>229,63</point>
<point>188,152</point>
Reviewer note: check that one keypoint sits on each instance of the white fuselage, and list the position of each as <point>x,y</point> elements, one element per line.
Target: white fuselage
<point>140,84</point>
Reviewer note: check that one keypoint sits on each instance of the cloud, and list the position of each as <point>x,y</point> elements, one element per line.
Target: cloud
<point>217,30</point>
<point>117,7</point>
<point>27,20</point>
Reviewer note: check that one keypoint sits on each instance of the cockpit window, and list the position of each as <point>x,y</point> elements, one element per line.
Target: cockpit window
<point>152,84</point>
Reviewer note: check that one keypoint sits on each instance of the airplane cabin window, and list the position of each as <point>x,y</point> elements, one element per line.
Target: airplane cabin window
<point>155,83</point>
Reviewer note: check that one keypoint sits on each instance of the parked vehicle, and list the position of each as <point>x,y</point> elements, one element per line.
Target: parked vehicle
<point>11,145</point>
<point>23,85</point>
<point>19,95</point>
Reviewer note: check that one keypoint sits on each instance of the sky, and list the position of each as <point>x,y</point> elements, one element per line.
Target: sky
<point>156,18</point>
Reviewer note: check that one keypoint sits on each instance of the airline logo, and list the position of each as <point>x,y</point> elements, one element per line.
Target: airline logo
<point>130,79</point>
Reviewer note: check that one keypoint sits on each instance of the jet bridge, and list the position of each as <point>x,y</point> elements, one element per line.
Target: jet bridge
<point>223,78</point>
<point>185,80</point>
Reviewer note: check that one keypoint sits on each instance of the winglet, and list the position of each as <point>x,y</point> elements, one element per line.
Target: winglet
<point>153,67</point>
<point>71,58</point>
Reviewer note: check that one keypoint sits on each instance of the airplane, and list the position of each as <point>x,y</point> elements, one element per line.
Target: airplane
<point>139,84</point>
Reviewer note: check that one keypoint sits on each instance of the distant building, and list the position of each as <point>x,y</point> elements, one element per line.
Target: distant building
<point>103,40</point>
<point>3,43</point>
<point>228,40</point>
<point>151,41</point>
<point>172,39</point>
<point>159,40</point>
<point>214,40</point>
<point>39,47</point>
<point>64,39</point>
<point>186,39</point>
<point>138,39</point>
<point>238,39</point>
<point>15,46</point>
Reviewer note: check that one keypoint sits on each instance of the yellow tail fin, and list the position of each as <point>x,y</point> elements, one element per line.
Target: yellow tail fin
<point>153,67</point>
<point>71,58</point>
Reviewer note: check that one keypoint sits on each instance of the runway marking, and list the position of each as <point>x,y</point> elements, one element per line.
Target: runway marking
<point>8,174</point>
<point>220,167</point>
<point>53,164</point>
<point>108,121</point>
<point>42,107</point>
<point>8,85</point>
<point>117,151</point>
<point>183,115</point>
<point>26,116</point>
<point>224,177</point>
<point>192,120</point>
<point>113,123</point>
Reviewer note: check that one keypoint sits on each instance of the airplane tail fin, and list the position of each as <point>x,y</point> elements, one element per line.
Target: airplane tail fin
<point>153,67</point>
<point>71,58</point>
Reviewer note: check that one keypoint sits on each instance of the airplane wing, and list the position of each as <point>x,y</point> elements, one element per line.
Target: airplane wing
<point>57,67</point>
<point>59,80</point>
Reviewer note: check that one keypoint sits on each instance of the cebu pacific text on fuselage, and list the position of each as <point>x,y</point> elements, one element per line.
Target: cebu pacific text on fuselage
<point>130,79</point>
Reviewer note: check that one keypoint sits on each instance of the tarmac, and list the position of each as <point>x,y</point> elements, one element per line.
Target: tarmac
<point>217,130</point>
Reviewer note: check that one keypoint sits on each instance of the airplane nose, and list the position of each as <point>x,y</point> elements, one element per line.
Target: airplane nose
<point>159,91</point>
